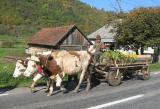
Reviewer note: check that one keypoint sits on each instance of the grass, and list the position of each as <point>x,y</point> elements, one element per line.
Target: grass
<point>7,67</point>
<point>155,67</point>
<point>18,48</point>
<point>12,38</point>
<point>7,37</point>
<point>11,51</point>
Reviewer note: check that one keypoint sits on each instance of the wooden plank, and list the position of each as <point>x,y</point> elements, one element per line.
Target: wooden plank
<point>125,67</point>
<point>129,64</point>
<point>71,47</point>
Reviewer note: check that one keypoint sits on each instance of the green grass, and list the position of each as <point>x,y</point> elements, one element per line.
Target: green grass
<point>155,67</point>
<point>11,51</point>
<point>6,72</point>
<point>7,67</point>
<point>18,48</point>
<point>7,37</point>
<point>12,38</point>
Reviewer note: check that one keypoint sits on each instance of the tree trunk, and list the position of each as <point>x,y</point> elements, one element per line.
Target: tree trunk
<point>142,49</point>
<point>137,52</point>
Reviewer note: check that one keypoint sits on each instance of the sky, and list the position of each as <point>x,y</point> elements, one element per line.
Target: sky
<point>126,5</point>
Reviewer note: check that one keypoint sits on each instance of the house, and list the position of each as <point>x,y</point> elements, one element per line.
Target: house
<point>58,38</point>
<point>106,35</point>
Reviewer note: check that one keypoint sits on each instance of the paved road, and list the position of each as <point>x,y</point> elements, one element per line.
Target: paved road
<point>131,94</point>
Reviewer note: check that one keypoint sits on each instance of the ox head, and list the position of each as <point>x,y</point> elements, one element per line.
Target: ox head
<point>19,69</point>
<point>31,66</point>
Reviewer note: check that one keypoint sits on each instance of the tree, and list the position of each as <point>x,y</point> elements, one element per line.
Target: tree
<point>30,15</point>
<point>141,27</point>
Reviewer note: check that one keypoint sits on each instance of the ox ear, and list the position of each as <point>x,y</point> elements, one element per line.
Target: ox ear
<point>50,57</point>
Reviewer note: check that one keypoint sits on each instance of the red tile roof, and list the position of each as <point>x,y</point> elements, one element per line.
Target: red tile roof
<point>50,36</point>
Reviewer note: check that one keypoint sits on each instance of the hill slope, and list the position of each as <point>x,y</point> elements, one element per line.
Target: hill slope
<point>26,16</point>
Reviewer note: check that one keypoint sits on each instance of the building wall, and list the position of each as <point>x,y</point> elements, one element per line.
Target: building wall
<point>36,50</point>
<point>74,41</point>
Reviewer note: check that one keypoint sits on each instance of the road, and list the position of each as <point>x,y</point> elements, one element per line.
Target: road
<point>131,94</point>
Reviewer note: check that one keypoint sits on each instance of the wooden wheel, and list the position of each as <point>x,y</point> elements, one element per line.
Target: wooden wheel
<point>145,73</point>
<point>114,79</point>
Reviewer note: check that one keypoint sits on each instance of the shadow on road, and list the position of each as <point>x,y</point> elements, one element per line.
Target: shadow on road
<point>6,89</point>
<point>71,85</point>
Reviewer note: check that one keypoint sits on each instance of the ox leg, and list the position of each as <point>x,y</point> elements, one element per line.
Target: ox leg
<point>80,81</point>
<point>59,82</point>
<point>88,81</point>
<point>63,86</point>
<point>48,85</point>
<point>51,88</point>
<point>32,86</point>
<point>35,79</point>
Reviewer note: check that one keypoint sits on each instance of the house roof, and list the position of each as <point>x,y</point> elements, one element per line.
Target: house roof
<point>52,36</point>
<point>105,33</point>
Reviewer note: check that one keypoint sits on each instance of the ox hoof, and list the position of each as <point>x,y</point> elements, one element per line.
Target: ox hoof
<point>33,91</point>
<point>64,90</point>
<point>87,90</point>
<point>49,94</point>
<point>76,91</point>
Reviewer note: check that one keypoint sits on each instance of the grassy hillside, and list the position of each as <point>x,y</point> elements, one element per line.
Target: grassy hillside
<point>19,17</point>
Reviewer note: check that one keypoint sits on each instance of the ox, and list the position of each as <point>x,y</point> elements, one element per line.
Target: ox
<point>20,68</point>
<point>61,63</point>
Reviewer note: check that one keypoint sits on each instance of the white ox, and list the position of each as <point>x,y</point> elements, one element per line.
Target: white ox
<point>20,65</point>
<point>61,63</point>
<point>19,69</point>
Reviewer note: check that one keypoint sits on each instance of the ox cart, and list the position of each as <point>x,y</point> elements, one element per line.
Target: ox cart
<point>114,73</point>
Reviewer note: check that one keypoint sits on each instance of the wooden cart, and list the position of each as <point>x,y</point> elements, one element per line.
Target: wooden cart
<point>113,74</point>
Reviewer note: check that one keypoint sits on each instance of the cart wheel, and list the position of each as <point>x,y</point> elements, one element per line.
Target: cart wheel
<point>145,73</point>
<point>112,79</point>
